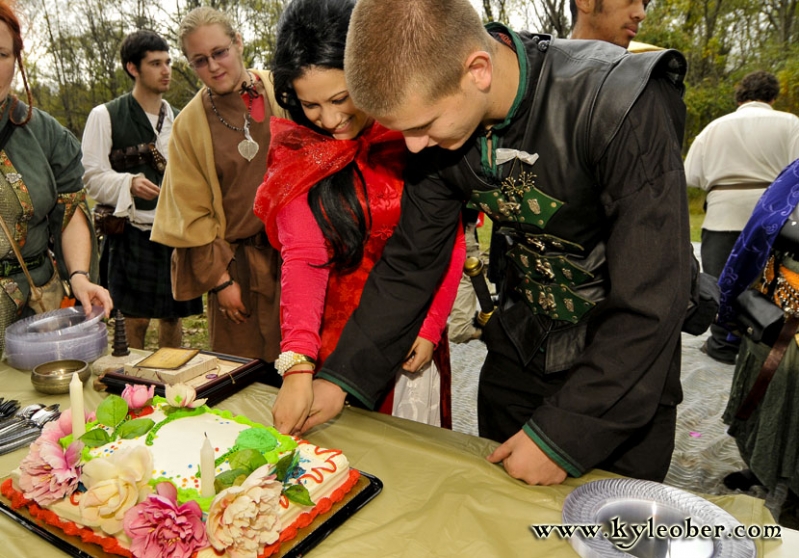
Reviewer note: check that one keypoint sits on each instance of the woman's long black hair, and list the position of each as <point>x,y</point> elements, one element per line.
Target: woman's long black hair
<point>313,33</point>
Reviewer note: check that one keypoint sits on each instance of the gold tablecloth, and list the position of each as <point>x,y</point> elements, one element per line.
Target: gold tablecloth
<point>440,498</point>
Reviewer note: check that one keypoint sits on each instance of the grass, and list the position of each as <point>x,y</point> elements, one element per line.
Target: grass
<point>696,211</point>
<point>195,332</point>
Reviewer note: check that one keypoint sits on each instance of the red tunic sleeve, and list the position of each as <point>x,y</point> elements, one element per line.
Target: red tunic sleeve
<point>303,280</point>
<point>440,308</point>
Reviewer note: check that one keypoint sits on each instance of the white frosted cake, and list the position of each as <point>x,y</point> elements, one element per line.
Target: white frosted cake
<point>133,483</point>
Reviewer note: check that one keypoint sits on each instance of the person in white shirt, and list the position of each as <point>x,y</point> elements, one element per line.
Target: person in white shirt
<point>124,156</point>
<point>734,159</point>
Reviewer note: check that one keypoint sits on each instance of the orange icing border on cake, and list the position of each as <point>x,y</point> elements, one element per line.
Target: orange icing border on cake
<point>112,546</point>
<point>317,473</point>
<point>323,506</point>
<point>18,500</point>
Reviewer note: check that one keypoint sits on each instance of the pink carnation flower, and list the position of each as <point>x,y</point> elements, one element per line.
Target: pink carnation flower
<point>49,472</point>
<point>243,519</point>
<point>63,426</point>
<point>137,396</point>
<point>158,527</point>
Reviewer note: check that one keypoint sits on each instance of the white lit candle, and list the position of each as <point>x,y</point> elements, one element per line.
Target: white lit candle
<point>207,469</point>
<point>76,404</point>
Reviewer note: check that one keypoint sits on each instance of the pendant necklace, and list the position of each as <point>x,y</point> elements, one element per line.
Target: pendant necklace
<point>248,147</point>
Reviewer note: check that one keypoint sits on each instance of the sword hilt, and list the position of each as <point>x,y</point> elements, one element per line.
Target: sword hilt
<point>473,267</point>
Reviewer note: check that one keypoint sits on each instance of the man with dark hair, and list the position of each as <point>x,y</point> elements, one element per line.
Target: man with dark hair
<point>583,357</point>
<point>734,159</point>
<point>124,155</point>
<point>613,21</point>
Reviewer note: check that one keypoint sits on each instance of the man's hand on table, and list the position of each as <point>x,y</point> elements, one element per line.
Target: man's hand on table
<point>328,401</point>
<point>524,460</point>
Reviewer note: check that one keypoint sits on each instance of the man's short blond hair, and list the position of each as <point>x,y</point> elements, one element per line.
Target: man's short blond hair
<point>398,46</point>
<point>200,17</point>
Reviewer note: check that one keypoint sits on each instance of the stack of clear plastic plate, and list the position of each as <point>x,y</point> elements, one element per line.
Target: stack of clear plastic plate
<point>66,333</point>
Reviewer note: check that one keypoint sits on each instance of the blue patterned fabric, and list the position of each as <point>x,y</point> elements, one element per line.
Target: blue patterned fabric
<point>751,251</point>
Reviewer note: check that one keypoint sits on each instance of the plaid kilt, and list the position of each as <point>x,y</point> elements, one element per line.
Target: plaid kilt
<point>139,277</point>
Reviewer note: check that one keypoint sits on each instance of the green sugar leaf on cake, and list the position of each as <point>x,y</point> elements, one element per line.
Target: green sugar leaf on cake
<point>248,459</point>
<point>256,438</point>
<point>286,465</point>
<point>95,438</point>
<point>233,477</point>
<point>112,411</point>
<point>298,494</point>
<point>135,428</point>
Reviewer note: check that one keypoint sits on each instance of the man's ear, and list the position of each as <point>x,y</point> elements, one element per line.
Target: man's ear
<point>132,69</point>
<point>480,69</point>
<point>585,6</point>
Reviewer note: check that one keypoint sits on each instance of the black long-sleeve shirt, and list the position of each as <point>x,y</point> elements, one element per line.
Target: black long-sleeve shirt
<point>636,206</point>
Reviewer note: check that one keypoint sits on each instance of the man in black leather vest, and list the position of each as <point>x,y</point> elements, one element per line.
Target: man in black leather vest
<point>124,156</point>
<point>572,148</point>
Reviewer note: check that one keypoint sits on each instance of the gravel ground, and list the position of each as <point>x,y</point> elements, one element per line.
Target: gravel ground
<point>704,453</point>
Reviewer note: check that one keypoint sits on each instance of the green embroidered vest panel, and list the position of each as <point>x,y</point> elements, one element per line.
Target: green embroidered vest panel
<point>546,199</point>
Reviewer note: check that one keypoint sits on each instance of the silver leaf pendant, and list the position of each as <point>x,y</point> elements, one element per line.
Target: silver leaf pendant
<point>248,149</point>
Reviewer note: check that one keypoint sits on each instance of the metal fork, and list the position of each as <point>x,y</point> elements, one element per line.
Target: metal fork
<point>22,414</point>
<point>27,430</point>
<point>36,420</point>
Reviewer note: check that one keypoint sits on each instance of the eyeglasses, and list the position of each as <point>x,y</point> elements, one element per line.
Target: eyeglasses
<point>219,54</point>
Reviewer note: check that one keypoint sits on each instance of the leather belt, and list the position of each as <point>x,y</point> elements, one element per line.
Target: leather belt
<point>756,186</point>
<point>10,267</point>
<point>259,240</point>
<point>758,391</point>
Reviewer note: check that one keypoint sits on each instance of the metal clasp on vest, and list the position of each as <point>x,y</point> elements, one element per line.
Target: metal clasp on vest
<point>508,208</point>
<point>544,268</point>
<point>547,302</point>
<point>536,244</point>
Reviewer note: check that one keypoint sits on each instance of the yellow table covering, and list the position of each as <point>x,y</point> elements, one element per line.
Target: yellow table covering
<point>440,498</point>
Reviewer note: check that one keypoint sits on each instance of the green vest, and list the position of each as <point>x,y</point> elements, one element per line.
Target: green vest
<point>131,127</point>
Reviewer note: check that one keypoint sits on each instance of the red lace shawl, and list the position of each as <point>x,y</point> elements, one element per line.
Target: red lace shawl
<point>315,301</point>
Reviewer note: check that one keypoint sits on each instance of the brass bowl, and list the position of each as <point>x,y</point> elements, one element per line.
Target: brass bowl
<point>54,377</point>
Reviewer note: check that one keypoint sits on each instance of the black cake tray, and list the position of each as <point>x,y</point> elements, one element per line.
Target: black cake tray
<point>367,487</point>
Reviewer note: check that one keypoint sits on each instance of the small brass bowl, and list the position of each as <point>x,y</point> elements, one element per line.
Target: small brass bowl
<point>54,377</point>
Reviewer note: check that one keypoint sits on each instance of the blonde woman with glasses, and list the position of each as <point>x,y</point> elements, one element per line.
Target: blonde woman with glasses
<point>217,159</point>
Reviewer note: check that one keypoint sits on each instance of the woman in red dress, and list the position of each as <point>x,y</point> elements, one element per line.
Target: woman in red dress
<point>330,200</point>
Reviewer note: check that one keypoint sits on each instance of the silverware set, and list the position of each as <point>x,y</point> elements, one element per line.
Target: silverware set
<point>21,426</point>
<point>8,407</point>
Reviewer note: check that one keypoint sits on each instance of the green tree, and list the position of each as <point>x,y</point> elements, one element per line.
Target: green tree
<point>72,55</point>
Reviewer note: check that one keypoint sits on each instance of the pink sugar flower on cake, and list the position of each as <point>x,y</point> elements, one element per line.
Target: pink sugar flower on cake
<point>182,395</point>
<point>137,396</point>
<point>243,519</point>
<point>160,528</point>
<point>114,485</point>
<point>63,426</point>
<point>50,472</point>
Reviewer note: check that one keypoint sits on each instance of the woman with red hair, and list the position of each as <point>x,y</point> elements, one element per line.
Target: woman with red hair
<point>42,200</point>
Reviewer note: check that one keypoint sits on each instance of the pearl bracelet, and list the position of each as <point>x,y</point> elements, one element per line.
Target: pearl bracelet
<point>288,359</point>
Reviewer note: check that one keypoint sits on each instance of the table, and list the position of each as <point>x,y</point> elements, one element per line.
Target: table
<point>440,497</point>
